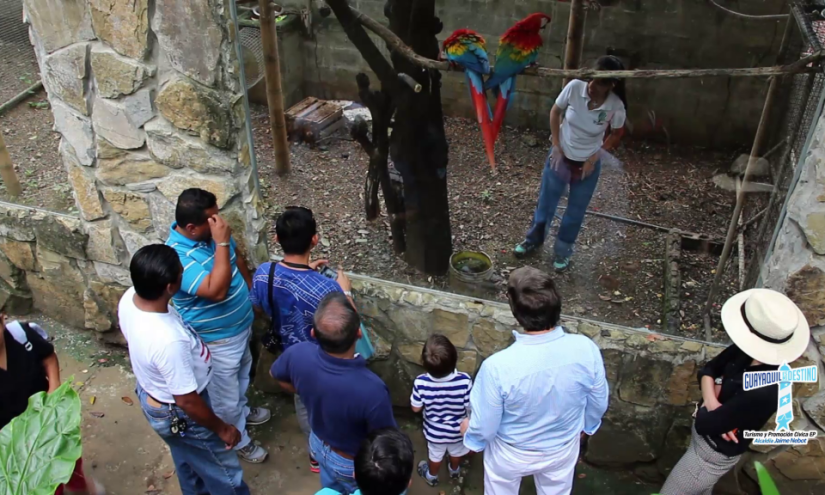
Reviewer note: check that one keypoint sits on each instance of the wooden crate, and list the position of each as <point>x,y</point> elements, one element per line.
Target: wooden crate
<point>312,119</point>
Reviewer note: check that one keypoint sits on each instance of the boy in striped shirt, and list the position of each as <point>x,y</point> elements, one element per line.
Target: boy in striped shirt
<point>443,393</point>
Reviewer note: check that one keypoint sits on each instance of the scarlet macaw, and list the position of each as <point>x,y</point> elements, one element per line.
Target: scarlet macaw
<point>518,49</point>
<point>467,49</point>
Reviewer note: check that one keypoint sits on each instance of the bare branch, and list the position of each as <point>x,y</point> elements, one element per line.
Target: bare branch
<point>355,32</point>
<point>394,43</point>
<point>360,133</point>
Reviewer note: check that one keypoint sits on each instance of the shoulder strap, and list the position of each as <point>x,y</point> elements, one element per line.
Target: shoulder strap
<point>37,328</point>
<point>16,329</point>
<point>269,284</point>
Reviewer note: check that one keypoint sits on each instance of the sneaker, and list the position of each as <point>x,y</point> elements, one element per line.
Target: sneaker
<point>257,416</point>
<point>424,472</point>
<point>524,248</point>
<point>254,454</point>
<point>314,467</point>
<point>454,474</point>
<point>562,263</point>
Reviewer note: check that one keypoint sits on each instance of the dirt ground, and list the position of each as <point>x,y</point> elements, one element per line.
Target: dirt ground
<point>122,452</point>
<point>32,144</point>
<point>618,269</point>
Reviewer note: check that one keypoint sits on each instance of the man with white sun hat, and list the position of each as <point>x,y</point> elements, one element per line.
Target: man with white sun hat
<point>767,330</point>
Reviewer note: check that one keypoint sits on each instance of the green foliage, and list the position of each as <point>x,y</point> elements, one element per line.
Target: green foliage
<point>39,104</point>
<point>39,448</point>
<point>766,484</point>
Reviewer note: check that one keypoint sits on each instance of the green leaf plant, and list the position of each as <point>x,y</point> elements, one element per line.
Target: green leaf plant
<point>39,448</point>
<point>766,484</point>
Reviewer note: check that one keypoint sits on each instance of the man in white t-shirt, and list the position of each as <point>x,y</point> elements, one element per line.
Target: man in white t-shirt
<point>173,367</point>
<point>580,119</point>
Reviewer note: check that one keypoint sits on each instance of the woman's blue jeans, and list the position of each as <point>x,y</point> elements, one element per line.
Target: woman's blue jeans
<point>553,184</point>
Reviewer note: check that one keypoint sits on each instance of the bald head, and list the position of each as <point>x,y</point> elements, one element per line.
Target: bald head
<point>336,323</point>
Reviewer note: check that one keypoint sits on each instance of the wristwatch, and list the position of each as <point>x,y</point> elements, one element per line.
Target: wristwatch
<point>224,244</point>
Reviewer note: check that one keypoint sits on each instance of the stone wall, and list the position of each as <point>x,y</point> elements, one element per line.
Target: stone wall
<point>797,268</point>
<point>651,34</point>
<point>652,378</point>
<point>147,103</point>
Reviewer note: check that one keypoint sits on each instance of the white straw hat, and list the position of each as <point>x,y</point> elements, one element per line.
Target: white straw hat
<point>766,325</point>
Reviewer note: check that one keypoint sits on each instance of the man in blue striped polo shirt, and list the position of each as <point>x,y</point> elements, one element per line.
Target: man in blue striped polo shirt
<point>214,300</point>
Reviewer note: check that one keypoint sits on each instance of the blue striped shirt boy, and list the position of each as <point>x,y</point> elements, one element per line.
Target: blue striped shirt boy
<point>445,401</point>
<point>212,320</point>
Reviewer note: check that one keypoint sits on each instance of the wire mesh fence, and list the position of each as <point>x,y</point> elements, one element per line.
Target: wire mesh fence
<point>795,114</point>
<point>18,64</point>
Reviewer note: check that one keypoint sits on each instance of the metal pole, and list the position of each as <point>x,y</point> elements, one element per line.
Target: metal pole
<point>274,93</point>
<point>250,139</point>
<point>7,170</point>
<point>628,221</point>
<point>575,37</point>
<point>798,166</point>
<point>761,131</point>
<point>21,96</point>
<point>784,161</point>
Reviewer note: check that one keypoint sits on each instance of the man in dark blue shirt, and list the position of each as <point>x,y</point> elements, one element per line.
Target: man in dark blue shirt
<point>345,400</point>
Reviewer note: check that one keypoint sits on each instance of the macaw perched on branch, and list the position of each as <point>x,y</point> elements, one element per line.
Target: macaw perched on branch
<point>518,49</point>
<point>467,49</point>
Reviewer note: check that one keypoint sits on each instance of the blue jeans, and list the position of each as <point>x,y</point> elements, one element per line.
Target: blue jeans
<point>553,184</point>
<point>203,463</point>
<point>231,363</point>
<point>336,471</point>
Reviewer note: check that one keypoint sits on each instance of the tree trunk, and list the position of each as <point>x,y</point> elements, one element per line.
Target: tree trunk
<point>381,108</point>
<point>418,145</point>
<point>274,92</point>
<point>420,220</point>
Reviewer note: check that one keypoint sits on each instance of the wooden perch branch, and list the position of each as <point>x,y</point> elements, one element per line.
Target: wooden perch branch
<point>348,18</point>
<point>394,43</point>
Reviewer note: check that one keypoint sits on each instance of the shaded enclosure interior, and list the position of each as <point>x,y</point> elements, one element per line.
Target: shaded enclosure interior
<point>668,176</point>
<point>675,170</point>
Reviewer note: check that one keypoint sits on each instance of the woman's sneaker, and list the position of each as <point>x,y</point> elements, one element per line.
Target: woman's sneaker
<point>424,472</point>
<point>525,248</point>
<point>562,263</point>
<point>314,467</point>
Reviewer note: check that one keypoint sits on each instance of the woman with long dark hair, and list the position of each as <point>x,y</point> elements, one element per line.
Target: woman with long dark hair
<point>579,121</point>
